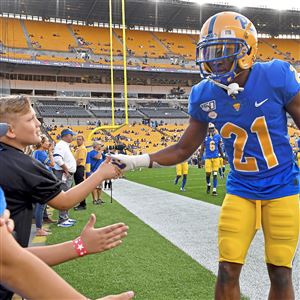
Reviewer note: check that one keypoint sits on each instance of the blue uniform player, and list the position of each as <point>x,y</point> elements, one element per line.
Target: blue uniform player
<point>221,161</point>
<point>212,148</point>
<point>247,102</point>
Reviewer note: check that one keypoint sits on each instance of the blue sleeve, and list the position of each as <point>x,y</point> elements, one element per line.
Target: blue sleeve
<point>292,83</point>
<point>93,153</point>
<point>284,78</point>
<point>2,202</point>
<point>194,109</point>
<point>44,158</point>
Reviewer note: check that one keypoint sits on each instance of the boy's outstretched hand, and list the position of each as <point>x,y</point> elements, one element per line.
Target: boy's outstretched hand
<point>101,239</point>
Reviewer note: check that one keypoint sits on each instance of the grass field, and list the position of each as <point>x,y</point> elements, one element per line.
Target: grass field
<point>163,178</point>
<point>146,262</point>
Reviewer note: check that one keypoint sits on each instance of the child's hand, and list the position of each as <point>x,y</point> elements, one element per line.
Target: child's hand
<point>109,170</point>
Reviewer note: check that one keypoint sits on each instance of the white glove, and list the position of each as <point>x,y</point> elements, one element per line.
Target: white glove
<point>130,162</point>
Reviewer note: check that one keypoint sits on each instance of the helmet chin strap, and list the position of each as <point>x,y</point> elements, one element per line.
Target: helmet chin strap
<point>232,89</point>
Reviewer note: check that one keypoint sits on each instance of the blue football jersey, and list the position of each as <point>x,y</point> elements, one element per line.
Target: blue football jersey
<point>211,143</point>
<point>253,127</point>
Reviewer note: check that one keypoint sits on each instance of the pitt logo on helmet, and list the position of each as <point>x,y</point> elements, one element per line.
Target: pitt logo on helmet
<point>227,45</point>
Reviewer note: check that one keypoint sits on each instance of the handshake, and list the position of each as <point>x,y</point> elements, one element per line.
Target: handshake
<point>130,162</point>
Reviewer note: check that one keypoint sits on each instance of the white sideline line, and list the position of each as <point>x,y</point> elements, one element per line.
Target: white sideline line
<point>191,225</point>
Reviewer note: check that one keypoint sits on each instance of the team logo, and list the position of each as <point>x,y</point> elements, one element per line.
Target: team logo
<point>212,114</point>
<point>258,104</point>
<point>236,106</point>
<point>208,106</point>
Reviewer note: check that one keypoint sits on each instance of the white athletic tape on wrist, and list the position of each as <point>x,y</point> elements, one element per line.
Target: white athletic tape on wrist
<point>130,162</point>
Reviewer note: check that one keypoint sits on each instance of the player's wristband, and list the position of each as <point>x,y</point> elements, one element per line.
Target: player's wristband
<point>79,247</point>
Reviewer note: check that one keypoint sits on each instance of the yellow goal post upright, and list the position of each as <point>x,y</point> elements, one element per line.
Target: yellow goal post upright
<point>113,126</point>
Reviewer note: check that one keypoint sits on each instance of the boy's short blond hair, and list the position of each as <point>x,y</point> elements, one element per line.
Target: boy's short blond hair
<point>13,105</point>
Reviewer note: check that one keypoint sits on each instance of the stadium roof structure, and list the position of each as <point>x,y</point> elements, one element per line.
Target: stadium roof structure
<point>166,14</point>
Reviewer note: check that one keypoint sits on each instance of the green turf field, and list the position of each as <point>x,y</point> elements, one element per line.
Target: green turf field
<point>146,262</point>
<point>163,178</point>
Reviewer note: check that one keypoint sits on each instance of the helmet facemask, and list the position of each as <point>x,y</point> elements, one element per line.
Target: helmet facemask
<point>218,57</point>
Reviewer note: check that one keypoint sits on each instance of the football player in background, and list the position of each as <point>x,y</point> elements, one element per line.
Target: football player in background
<point>182,169</point>
<point>212,148</point>
<point>248,103</point>
<point>221,161</point>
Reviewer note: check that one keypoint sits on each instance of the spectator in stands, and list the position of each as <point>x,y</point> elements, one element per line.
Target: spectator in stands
<point>80,157</point>
<point>94,159</point>
<point>64,169</point>
<point>249,107</point>
<point>44,154</point>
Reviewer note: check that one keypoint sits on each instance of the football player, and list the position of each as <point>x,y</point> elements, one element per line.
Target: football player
<point>182,169</point>
<point>212,148</point>
<point>248,103</point>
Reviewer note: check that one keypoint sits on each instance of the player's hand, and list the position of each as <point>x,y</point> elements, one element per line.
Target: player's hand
<point>130,162</point>
<point>5,220</point>
<point>109,170</point>
<point>123,296</point>
<point>101,239</point>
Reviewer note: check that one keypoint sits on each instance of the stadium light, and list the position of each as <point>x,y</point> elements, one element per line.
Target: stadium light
<point>201,2</point>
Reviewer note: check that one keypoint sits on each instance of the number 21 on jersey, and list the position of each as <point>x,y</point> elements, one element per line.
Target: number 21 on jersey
<point>249,164</point>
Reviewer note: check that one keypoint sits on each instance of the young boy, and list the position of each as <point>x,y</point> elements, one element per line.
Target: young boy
<point>26,181</point>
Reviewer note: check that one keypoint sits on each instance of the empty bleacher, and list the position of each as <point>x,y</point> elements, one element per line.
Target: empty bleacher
<point>14,55</point>
<point>62,112</point>
<point>142,43</point>
<point>105,104</point>
<point>96,39</point>
<point>50,36</point>
<point>290,48</point>
<point>11,33</point>
<point>178,44</point>
<point>59,43</point>
<point>56,102</point>
<point>106,113</point>
<point>163,113</point>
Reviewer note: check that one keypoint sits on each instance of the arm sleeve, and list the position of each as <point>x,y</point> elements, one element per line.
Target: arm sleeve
<point>284,78</point>
<point>194,109</point>
<point>292,83</point>
<point>43,185</point>
<point>43,157</point>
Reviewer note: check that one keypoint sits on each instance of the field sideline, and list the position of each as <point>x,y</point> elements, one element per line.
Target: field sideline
<point>163,178</point>
<point>146,262</point>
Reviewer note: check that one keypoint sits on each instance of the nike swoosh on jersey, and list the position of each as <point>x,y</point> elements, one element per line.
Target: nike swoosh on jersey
<point>258,104</point>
